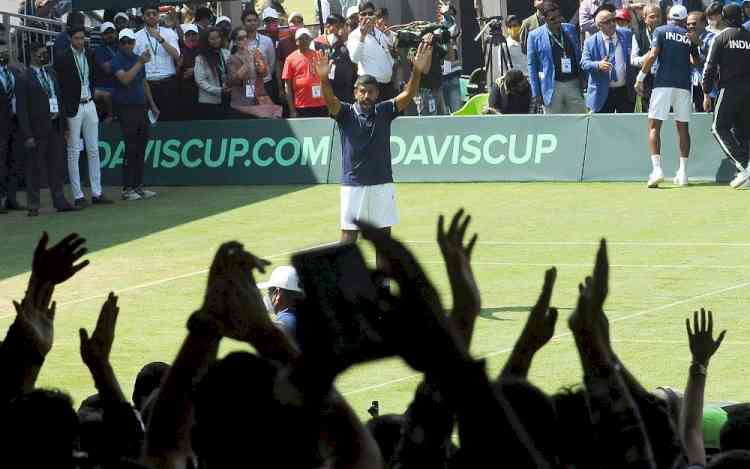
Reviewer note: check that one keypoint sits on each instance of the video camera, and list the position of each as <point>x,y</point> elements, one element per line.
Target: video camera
<point>411,37</point>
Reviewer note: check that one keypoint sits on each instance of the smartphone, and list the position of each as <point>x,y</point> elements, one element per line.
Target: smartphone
<point>341,305</point>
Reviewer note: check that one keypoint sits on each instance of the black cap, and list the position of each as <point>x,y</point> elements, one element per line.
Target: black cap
<point>732,14</point>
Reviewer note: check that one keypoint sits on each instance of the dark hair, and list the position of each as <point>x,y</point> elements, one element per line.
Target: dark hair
<point>732,15</point>
<point>714,9</point>
<point>736,459</point>
<point>35,46</point>
<point>150,6</point>
<point>76,29</point>
<point>510,19</point>
<point>209,54</point>
<point>698,14</point>
<point>735,434</point>
<point>572,413</point>
<point>365,80</point>
<point>249,12</point>
<point>387,430</point>
<point>366,5</point>
<point>548,6</point>
<point>335,18</point>
<point>202,13</point>
<point>75,18</point>
<point>381,13</point>
<point>148,379</point>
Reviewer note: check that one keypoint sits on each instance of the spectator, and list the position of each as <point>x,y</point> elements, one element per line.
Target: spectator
<point>303,88</point>
<point>691,5</point>
<point>274,87</point>
<point>103,78</point>
<point>553,53</point>
<point>75,19</point>
<point>211,75</point>
<point>587,14</point>
<point>605,59</point>
<point>531,23</point>
<point>203,18</point>
<point>702,39</point>
<point>288,45</point>
<point>41,128</point>
<point>11,166</point>
<point>330,7</point>
<point>342,68</point>
<point>246,71</point>
<point>352,19</point>
<point>75,73</point>
<point>224,25</point>
<point>382,23</point>
<point>131,96</point>
<point>277,5</point>
<point>148,380</point>
<point>121,20</point>
<point>161,70</point>
<point>369,49</point>
<point>452,68</point>
<point>713,17</point>
<point>623,19</point>
<point>642,42</point>
<point>516,51</point>
<point>286,294</point>
<point>265,45</point>
<point>510,94</point>
<point>186,73</point>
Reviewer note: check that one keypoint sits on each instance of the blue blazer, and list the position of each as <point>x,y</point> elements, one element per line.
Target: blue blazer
<point>594,51</point>
<point>541,60</point>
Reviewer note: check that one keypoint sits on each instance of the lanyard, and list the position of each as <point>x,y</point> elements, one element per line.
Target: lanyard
<point>8,82</point>
<point>150,46</point>
<point>83,67</point>
<point>222,65</point>
<point>44,81</point>
<point>561,42</point>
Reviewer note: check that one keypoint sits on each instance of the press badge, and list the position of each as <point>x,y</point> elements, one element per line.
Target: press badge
<point>447,68</point>
<point>249,91</point>
<point>316,91</point>
<point>432,105</point>
<point>567,65</point>
<point>332,73</point>
<point>53,108</point>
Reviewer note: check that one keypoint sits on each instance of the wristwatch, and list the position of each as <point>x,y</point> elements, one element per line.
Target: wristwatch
<point>697,369</point>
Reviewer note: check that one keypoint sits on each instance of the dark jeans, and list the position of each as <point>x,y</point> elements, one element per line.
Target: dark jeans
<point>618,100</point>
<point>312,112</point>
<point>134,124</point>
<point>48,152</point>
<point>166,96</point>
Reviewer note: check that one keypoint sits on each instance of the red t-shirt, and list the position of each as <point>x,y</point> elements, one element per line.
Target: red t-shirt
<point>305,80</point>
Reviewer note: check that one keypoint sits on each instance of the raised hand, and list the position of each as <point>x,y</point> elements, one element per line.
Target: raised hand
<point>35,319</point>
<point>587,318</point>
<point>58,264</point>
<point>700,337</point>
<point>540,326</point>
<point>466,299</point>
<point>423,57</point>
<point>95,350</point>
<point>322,65</point>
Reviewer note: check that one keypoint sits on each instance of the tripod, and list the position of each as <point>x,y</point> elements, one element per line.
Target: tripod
<point>494,43</point>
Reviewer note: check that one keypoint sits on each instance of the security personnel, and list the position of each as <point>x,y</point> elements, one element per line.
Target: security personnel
<point>729,57</point>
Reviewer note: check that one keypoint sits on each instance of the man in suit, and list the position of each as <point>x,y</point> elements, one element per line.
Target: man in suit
<point>41,128</point>
<point>75,71</point>
<point>554,57</point>
<point>11,168</point>
<point>606,57</point>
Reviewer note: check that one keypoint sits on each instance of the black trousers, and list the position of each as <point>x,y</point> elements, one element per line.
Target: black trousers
<point>47,153</point>
<point>11,165</point>
<point>731,126</point>
<point>166,96</point>
<point>135,131</point>
<point>617,101</point>
<point>312,112</point>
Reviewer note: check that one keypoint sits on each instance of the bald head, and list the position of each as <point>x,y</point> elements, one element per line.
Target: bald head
<point>605,21</point>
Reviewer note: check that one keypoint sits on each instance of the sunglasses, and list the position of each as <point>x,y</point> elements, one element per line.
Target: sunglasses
<point>367,14</point>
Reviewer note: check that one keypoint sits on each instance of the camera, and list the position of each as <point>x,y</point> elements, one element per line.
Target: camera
<point>410,38</point>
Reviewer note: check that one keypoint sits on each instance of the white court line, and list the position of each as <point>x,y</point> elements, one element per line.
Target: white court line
<point>672,342</point>
<point>161,281</point>
<point>596,243</point>
<point>566,334</point>
<point>588,265</point>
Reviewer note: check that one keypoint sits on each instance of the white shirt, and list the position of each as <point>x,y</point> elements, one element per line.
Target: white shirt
<point>520,62</point>
<point>265,44</point>
<point>620,61</point>
<point>372,57</point>
<point>161,65</point>
<point>82,66</point>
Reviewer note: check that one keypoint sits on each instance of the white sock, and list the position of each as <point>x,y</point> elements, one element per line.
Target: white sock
<point>683,165</point>
<point>656,161</point>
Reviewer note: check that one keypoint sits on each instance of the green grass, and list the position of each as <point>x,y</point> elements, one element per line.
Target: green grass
<point>655,282</point>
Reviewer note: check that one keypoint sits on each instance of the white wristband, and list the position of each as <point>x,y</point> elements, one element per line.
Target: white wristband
<point>641,76</point>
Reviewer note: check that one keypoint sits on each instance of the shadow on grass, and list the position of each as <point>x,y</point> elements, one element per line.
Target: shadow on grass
<point>489,313</point>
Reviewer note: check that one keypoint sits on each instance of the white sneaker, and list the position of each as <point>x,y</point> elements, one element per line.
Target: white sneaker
<point>744,185</point>
<point>656,176</point>
<point>144,193</point>
<point>740,180</point>
<point>130,195</point>
<point>681,178</point>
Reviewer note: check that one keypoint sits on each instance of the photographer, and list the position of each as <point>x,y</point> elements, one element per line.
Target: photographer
<point>452,68</point>
<point>510,94</point>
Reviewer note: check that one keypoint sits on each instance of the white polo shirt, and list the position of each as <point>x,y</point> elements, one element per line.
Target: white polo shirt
<point>161,65</point>
<point>372,57</point>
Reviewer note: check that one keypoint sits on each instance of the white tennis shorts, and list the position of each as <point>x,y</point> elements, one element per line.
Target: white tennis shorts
<point>373,204</point>
<point>662,99</point>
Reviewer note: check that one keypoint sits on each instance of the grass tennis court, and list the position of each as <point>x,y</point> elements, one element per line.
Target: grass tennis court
<point>672,250</point>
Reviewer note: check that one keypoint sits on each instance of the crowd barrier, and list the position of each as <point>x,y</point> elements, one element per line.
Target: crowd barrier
<point>437,149</point>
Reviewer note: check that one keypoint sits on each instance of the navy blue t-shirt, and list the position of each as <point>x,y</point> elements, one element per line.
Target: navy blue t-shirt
<point>102,55</point>
<point>132,94</point>
<point>366,144</point>
<point>674,57</point>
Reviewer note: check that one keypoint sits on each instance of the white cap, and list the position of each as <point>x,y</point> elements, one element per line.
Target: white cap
<point>128,33</point>
<point>223,18</point>
<point>295,14</point>
<point>270,13</point>
<point>105,26</point>
<point>352,11</point>
<point>284,277</point>
<point>121,15</point>
<point>302,32</point>
<point>678,12</point>
<point>189,28</point>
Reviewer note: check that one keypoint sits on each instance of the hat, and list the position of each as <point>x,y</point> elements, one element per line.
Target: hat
<point>354,10</point>
<point>126,33</point>
<point>295,14</point>
<point>622,14</point>
<point>121,15</point>
<point>106,27</point>
<point>189,28</point>
<point>270,13</point>
<point>677,12</point>
<point>302,32</point>
<point>222,19</point>
<point>284,277</point>
<point>714,419</point>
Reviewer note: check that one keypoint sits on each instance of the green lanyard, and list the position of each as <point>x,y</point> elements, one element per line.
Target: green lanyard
<point>222,65</point>
<point>42,77</point>
<point>83,67</point>
<point>150,46</point>
<point>561,42</point>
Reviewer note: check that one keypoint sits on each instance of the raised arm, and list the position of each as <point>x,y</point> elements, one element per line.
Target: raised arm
<point>421,66</point>
<point>648,62</point>
<point>127,77</point>
<point>323,67</point>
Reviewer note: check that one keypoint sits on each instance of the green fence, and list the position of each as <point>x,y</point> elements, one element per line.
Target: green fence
<point>437,149</point>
